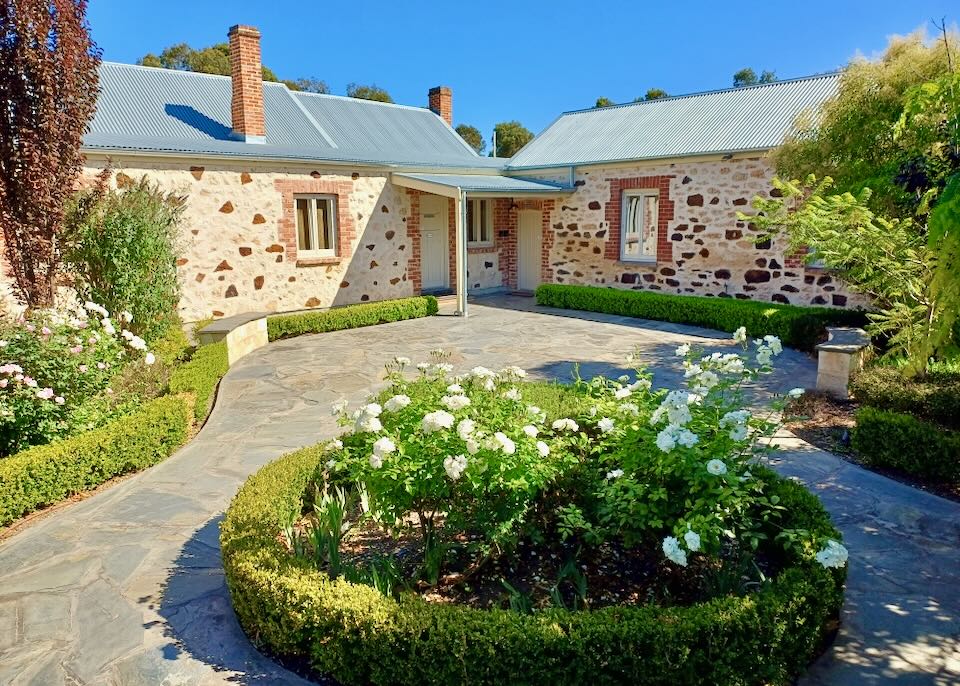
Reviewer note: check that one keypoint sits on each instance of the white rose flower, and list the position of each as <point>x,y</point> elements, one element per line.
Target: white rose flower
<point>384,446</point>
<point>466,428</point>
<point>740,335</point>
<point>683,350</point>
<point>687,438</point>
<point>376,461</point>
<point>735,417</point>
<point>150,358</point>
<point>716,467</point>
<point>335,444</point>
<point>455,389</point>
<point>795,392</point>
<point>366,423</point>
<point>371,409</point>
<point>489,385</point>
<point>506,445</point>
<point>473,447</point>
<point>666,440</point>
<point>834,554</point>
<point>764,356</point>
<point>776,347</point>
<point>331,464</point>
<point>512,394</point>
<point>605,425</point>
<point>739,432</point>
<point>543,449</point>
<point>565,424</point>
<point>630,409</point>
<point>126,316</point>
<point>531,431</point>
<point>673,551</point>
<point>396,403</point>
<point>537,414</point>
<point>640,384</point>
<point>482,373</point>
<point>402,361</point>
<point>622,393</point>
<point>692,539</point>
<point>513,372</point>
<point>435,421</point>
<point>455,402</point>
<point>455,466</point>
<point>708,380</point>
<point>614,474</point>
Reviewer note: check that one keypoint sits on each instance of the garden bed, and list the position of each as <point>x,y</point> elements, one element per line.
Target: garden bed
<point>537,564</point>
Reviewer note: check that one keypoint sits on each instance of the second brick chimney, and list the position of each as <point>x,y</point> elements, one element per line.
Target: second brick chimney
<point>246,72</point>
<point>441,102</point>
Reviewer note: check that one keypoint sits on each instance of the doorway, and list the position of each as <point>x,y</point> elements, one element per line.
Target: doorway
<point>434,243</point>
<point>529,245</point>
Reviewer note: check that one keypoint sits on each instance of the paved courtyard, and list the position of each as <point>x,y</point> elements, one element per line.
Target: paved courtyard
<point>126,587</point>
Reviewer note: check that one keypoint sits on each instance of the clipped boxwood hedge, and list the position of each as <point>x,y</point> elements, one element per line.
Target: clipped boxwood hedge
<point>358,636</point>
<point>935,397</point>
<point>797,327</point>
<point>884,438</point>
<point>47,474</point>
<point>350,317</point>
<point>200,375</point>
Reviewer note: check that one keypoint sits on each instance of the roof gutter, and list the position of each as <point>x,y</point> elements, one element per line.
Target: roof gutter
<point>516,170</point>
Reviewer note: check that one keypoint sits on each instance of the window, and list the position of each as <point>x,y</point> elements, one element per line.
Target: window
<point>814,263</point>
<point>638,234</point>
<point>316,225</point>
<point>479,223</point>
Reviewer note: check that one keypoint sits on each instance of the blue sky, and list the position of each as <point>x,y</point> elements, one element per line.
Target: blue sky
<point>524,60</point>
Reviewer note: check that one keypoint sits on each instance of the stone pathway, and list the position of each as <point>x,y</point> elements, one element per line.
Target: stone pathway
<point>126,587</point>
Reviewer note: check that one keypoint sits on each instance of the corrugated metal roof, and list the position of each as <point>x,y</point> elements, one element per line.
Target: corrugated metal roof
<point>489,183</point>
<point>737,119</point>
<point>167,111</point>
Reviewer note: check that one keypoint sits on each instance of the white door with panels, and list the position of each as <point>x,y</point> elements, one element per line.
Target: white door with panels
<point>434,243</point>
<point>528,249</point>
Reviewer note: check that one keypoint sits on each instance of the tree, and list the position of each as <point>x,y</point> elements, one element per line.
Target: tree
<point>307,85</point>
<point>473,137</point>
<point>371,92</point>
<point>511,136</point>
<point>655,94</point>
<point>604,102</point>
<point>48,90</point>
<point>214,59</point>
<point>851,137</point>
<point>748,77</point>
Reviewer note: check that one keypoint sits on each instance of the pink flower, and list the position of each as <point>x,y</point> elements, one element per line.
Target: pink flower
<point>30,382</point>
<point>59,400</point>
<point>92,340</point>
<point>45,394</point>
<point>3,383</point>
<point>101,365</point>
<point>46,331</point>
<point>109,391</point>
<point>77,349</point>
<point>30,327</point>
<point>83,368</point>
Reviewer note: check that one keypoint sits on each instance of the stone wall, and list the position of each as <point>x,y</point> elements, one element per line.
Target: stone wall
<point>238,250</point>
<point>703,249</point>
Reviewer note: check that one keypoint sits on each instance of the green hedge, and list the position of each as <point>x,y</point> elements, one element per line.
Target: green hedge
<point>47,474</point>
<point>200,375</point>
<point>350,317</point>
<point>935,397</point>
<point>797,327</point>
<point>351,632</point>
<point>890,439</point>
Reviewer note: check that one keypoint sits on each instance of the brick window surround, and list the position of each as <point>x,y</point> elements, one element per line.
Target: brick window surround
<point>614,214</point>
<point>287,225</point>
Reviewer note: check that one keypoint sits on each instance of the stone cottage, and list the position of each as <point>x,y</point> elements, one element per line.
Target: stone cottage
<point>299,200</point>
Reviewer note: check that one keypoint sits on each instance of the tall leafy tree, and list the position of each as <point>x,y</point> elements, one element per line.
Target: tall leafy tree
<point>473,137</point>
<point>371,92</point>
<point>604,102</point>
<point>748,77</point>
<point>48,93</point>
<point>655,94</point>
<point>511,136</point>
<point>214,59</point>
<point>307,85</point>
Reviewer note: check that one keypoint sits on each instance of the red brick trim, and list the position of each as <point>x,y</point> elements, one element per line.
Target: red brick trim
<point>614,212</point>
<point>287,224</point>
<point>547,235</point>
<point>414,274</point>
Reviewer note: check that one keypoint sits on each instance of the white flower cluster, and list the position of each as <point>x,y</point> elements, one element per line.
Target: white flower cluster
<point>565,424</point>
<point>455,466</point>
<point>455,402</point>
<point>675,553</point>
<point>674,435</point>
<point>437,421</point>
<point>767,348</point>
<point>833,555</point>
<point>737,421</point>
<point>382,447</point>
<point>367,418</point>
<point>396,403</point>
<point>717,467</point>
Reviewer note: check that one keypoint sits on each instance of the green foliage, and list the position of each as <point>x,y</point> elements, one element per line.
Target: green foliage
<point>748,77</point>
<point>172,346</point>
<point>350,317</point>
<point>47,474</point>
<point>200,375</point>
<point>214,59</point>
<point>604,102</point>
<point>655,94</point>
<point>852,138</point>
<point>121,245</point>
<point>797,327</point>
<point>359,636</point>
<point>511,136</point>
<point>473,137</point>
<point>890,439</point>
<point>915,287</point>
<point>307,85</point>
<point>371,92</point>
<point>934,396</point>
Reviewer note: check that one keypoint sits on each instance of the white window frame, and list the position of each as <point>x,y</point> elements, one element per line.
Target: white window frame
<point>314,228</point>
<point>476,216</point>
<point>624,210</point>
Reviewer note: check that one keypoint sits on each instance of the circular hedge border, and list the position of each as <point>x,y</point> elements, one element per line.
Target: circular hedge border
<point>293,611</point>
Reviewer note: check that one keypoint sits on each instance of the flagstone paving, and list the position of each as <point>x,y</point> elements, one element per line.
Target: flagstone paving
<point>126,587</point>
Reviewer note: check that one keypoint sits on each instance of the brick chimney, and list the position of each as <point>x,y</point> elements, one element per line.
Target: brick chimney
<point>246,73</point>
<point>441,102</point>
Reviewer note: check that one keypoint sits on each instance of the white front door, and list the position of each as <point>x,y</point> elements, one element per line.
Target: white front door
<point>528,250</point>
<point>434,247</point>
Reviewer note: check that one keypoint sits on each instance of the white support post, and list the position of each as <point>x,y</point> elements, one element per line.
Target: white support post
<point>460,214</point>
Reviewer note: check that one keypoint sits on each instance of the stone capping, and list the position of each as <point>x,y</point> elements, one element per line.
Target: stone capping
<point>840,356</point>
<point>243,334</point>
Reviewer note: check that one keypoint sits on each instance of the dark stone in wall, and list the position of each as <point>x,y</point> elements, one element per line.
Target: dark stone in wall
<point>197,172</point>
<point>704,253</point>
<point>384,209</point>
<point>774,264</point>
<point>562,271</point>
<point>394,281</point>
<point>780,298</point>
<point>245,251</point>
<point>809,279</point>
<point>182,261</point>
<point>673,282</point>
<point>355,176</point>
<point>760,262</point>
<point>756,276</point>
<point>373,264</point>
<point>390,234</point>
<point>714,200</point>
<point>764,245</point>
<point>819,300</point>
<point>695,200</point>
<point>740,201</point>
<point>676,237</point>
<point>601,233</point>
<point>579,182</point>
<point>245,178</point>
<point>200,277</point>
<point>312,302</point>
<point>776,193</point>
<point>733,234</point>
<point>258,283</point>
<point>371,246</point>
<point>344,284</point>
<point>487,265</point>
<point>597,250</point>
<point>686,180</point>
<point>667,271</point>
<point>749,289</point>
<point>259,219</point>
<point>223,266</point>
<point>279,259</point>
<point>276,247</point>
<point>823,280</point>
<point>687,255</point>
<point>226,207</point>
<point>722,274</point>
<point>315,174</point>
<point>594,205</point>
<point>682,227</point>
<point>364,298</point>
<point>649,278</point>
<point>699,228</point>
<point>231,292</point>
<point>839,300</point>
<point>628,278</point>
<point>789,289</point>
<point>291,279</point>
<point>572,227</point>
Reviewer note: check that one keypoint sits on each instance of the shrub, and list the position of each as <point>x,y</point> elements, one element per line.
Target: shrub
<point>362,637</point>
<point>200,375</point>
<point>797,327</point>
<point>890,439</point>
<point>934,397</point>
<point>121,244</point>
<point>47,474</point>
<point>350,317</point>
